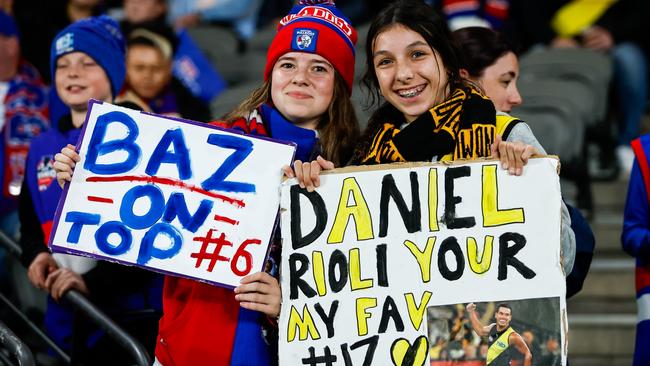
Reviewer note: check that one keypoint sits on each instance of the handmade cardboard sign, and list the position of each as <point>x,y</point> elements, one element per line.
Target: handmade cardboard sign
<point>170,195</point>
<point>368,252</point>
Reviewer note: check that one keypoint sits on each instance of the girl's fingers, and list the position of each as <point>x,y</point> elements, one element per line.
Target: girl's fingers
<point>63,161</point>
<point>268,304</point>
<point>259,288</point>
<point>262,308</point>
<point>297,168</point>
<point>306,176</point>
<point>503,155</point>
<point>51,278</point>
<point>62,177</point>
<point>315,173</point>
<point>258,276</point>
<point>325,164</point>
<point>288,171</point>
<point>530,151</point>
<point>512,160</point>
<point>70,152</point>
<point>255,287</point>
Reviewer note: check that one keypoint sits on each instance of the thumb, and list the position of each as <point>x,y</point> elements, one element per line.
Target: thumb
<point>325,164</point>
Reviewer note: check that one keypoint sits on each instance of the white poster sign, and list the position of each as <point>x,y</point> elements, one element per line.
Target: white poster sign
<point>175,196</point>
<point>373,248</point>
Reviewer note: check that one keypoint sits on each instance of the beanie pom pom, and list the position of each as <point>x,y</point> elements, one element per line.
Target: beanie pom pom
<point>316,2</point>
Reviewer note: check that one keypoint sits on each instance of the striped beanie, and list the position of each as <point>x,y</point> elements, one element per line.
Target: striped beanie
<point>316,27</point>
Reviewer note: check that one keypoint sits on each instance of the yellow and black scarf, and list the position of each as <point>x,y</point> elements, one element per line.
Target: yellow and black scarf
<point>461,127</point>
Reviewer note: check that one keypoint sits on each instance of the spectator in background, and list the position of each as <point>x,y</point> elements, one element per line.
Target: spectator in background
<point>149,78</point>
<point>471,351</point>
<point>438,350</point>
<point>636,242</point>
<point>619,28</point>
<point>142,11</point>
<point>87,59</point>
<point>6,6</point>
<point>23,115</point>
<point>148,13</point>
<point>240,14</point>
<point>189,65</point>
<point>40,20</point>
<point>489,60</point>
<point>483,348</point>
<point>535,350</point>
<point>551,354</point>
<point>475,13</point>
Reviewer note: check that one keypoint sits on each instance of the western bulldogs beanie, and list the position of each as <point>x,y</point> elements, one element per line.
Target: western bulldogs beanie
<point>316,26</point>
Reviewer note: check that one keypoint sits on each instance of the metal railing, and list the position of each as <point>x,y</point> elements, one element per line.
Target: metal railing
<point>39,333</point>
<point>15,346</point>
<point>124,339</point>
<point>81,304</point>
<point>9,244</point>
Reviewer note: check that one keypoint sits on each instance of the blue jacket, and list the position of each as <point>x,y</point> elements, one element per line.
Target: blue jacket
<point>636,242</point>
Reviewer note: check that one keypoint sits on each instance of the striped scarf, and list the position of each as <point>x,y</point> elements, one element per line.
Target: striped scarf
<point>461,127</point>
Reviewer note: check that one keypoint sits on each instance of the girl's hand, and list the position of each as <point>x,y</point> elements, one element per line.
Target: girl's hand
<point>62,280</point>
<point>64,163</point>
<point>260,292</point>
<point>307,174</point>
<point>513,155</point>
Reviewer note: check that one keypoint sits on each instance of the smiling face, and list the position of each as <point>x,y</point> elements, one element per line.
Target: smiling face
<point>499,81</point>
<point>302,86</point>
<point>410,74</point>
<point>79,78</point>
<point>503,317</point>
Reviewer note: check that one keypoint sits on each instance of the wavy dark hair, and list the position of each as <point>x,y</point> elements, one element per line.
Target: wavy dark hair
<point>426,21</point>
<point>480,47</point>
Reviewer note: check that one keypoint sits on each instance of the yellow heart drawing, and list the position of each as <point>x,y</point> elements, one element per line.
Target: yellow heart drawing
<point>405,354</point>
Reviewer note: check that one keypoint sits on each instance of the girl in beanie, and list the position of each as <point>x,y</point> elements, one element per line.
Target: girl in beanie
<point>87,61</point>
<point>305,99</point>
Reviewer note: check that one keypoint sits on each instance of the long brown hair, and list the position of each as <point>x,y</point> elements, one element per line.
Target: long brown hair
<point>420,18</point>
<point>338,128</point>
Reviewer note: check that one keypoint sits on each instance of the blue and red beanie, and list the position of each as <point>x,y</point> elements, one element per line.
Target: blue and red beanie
<point>316,26</point>
<point>98,37</point>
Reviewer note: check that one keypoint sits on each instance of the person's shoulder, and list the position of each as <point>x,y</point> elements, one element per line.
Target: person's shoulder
<point>514,334</point>
<point>506,123</point>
